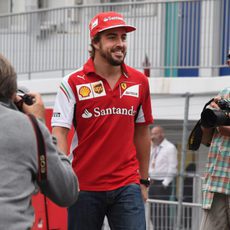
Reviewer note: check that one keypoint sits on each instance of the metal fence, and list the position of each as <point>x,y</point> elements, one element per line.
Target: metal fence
<point>179,38</point>
<point>163,215</point>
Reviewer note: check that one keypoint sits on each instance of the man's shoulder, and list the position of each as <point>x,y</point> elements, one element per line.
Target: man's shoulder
<point>12,117</point>
<point>168,144</point>
<point>75,75</point>
<point>10,112</point>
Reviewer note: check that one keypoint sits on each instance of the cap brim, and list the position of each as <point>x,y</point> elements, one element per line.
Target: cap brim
<point>128,28</point>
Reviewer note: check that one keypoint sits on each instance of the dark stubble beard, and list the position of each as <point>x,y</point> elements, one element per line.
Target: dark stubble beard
<point>110,59</point>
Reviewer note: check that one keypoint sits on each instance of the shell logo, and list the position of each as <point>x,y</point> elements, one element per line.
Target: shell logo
<point>123,85</point>
<point>84,91</point>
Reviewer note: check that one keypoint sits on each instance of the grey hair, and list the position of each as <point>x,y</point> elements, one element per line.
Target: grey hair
<point>8,78</point>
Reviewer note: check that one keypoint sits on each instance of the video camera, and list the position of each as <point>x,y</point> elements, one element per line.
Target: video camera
<point>211,117</point>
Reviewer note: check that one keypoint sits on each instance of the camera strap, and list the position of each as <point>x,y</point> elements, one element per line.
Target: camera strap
<point>42,164</point>
<point>196,134</point>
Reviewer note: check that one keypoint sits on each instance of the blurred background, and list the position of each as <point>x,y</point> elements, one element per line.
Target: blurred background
<point>181,45</point>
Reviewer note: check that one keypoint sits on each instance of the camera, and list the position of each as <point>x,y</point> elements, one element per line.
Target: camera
<point>27,99</point>
<point>211,117</point>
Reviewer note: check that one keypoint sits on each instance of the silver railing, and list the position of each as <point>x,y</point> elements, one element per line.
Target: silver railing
<point>173,38</point>
<point>172,214</point>
<point>162,214</point>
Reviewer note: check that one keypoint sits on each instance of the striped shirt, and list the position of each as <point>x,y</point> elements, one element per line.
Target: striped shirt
<point>217,172</point>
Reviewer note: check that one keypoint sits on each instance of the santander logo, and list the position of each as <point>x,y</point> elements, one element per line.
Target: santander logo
<point>98,112</point>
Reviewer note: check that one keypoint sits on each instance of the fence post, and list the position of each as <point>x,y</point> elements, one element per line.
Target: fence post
<point>63,43</point>
<point>30,15</point>
<point>183,158</point>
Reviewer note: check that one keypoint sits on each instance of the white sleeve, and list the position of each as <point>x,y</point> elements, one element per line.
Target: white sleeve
<point>65,101</point>
<point>172,165</point>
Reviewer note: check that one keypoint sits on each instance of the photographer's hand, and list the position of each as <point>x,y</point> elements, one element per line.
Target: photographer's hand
<point>37,108</point>
<point>208,132</point>
<point>223,130</point>
<point>214,103</point>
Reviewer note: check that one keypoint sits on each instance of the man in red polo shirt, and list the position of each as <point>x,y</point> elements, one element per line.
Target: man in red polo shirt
<point>109,105</point>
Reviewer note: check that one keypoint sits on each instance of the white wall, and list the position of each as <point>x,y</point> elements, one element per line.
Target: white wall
<point>168,95</point>
<point>18,6</point>
<point>4,6</point>
<point>168,100</point>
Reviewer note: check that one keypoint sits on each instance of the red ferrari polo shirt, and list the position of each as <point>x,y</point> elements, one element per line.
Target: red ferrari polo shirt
<point>104,155</point>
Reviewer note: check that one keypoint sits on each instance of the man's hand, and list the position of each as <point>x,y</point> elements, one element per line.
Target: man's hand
<point>37,108</point>
<point>224,130</point>
<point>214,104</point>
<point>144,192</point>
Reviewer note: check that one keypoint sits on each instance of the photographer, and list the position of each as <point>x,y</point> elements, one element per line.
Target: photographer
<point>216,186</point>
<point>19,167</point>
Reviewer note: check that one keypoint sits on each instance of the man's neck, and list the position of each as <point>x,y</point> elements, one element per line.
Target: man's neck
<point>6,102</point>
<point>158,143</point>
<point>107,71</point>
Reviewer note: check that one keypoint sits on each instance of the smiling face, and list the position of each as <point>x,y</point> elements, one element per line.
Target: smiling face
<point>112,46</point>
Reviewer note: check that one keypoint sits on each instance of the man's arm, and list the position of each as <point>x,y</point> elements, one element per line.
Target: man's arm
<point>62,184</point>
<point>224,130</point>
<point>142,142</point>
<point>61,133</point>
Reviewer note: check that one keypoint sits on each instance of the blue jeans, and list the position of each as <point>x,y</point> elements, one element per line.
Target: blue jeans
<point>124,208</point>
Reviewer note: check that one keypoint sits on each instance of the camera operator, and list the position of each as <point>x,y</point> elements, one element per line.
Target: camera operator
<point>19,157</point>
<point>216,186</point>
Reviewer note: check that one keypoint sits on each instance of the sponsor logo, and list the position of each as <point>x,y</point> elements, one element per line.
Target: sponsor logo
<point>84,91</point>
<point>129,90</point>
<point>98,88</point>
<point>90,90</point>
<point>94,24</point>
<point>86,114</point>
<point>82,77</point>
<point>42,164</point>
<point>98,112</point>
<point>123,85</point>
<point>113,18</point>
<point>56,114</point>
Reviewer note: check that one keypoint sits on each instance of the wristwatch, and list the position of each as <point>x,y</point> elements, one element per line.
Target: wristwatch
<point>145,182</point>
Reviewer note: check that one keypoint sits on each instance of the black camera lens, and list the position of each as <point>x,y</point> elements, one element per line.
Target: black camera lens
<point>212,118</point>
<point>27,99</point>
<point>224,104</point>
